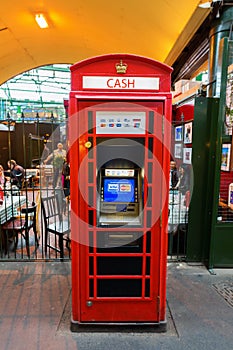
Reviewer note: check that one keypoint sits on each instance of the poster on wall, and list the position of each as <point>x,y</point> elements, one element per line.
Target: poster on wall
<point>179,133</point>
<point>226,157</point>
<point>178,150</point>
<point>187,155</point>
<point>188,129</point>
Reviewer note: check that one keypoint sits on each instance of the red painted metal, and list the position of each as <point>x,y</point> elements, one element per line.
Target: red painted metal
<point>148,305</point>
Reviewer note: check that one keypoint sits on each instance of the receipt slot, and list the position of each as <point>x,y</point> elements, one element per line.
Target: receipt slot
<point>119,139</point>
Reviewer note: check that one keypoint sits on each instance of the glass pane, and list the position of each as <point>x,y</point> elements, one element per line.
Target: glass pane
<point>119,288</point>
<point>119,265</point>
<point>225,207</point>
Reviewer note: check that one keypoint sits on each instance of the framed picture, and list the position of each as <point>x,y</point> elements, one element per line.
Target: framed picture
<point>178,150</point>
<point>179,133</point>
<point>226,157</point>
<point>187,155</point>
<point>188,129</point>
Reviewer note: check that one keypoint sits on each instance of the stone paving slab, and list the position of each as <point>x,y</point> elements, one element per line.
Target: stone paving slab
<point>35,311</point>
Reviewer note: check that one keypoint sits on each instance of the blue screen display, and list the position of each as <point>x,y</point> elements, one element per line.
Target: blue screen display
<point>119,190</point>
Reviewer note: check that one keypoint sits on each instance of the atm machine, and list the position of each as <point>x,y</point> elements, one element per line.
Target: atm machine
<point>120,201</point>
<point>119,184</point>
<point>119,137</point>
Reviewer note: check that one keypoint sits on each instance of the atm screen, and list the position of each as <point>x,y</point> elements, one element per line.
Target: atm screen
<point>119,190</point>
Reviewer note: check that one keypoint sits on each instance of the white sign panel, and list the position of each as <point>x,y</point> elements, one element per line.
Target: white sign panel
<point>120,122</point>
<point>122,83</point>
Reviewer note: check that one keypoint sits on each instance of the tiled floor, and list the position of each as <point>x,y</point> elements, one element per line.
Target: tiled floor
<point>35,311</point>
<point>33,296</point>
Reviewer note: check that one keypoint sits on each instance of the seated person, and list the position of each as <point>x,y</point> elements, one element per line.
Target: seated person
<point>17,173</point>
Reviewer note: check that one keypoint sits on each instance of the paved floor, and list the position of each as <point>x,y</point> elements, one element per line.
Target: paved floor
<point>35,311</point>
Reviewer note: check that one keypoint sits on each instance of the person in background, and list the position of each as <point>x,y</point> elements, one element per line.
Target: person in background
<point>17,173</point>
<point>183,180</point>
<point>66,178</point>
<point>45,152</point>
<point>3,179</point>
<point>174,176</point>
<point>58,156</point>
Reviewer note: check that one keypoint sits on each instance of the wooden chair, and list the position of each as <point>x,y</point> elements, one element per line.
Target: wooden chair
<point>21,224</point>
<point>46,175</point>
<point>55,225</point>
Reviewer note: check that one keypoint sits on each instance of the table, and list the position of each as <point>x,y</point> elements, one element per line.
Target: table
<point>10,207</point>
<point>46,173</point>
<point>32,177</point>
<point>177,209</point>
<point>177,220</point>
<point>8,210</point>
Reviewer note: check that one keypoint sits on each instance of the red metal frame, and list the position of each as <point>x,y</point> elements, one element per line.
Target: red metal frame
<point>87,305</point>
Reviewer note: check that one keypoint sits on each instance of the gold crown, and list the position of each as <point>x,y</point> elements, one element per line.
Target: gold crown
<point>121,67</point>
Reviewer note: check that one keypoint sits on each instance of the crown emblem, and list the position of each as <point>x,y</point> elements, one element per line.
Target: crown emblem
<point>121,67</point>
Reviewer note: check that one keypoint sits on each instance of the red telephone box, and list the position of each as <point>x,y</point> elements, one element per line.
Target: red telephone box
<point>119,140</point>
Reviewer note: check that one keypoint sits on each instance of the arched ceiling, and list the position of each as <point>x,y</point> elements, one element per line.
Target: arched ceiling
<point>78,29</point>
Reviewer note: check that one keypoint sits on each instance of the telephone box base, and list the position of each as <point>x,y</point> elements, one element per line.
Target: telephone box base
<point>138,327</point>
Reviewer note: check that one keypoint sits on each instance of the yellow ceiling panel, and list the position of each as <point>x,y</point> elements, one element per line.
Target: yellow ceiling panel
<point>85,28</point>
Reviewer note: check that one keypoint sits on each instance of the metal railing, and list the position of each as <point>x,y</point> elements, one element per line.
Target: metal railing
<point>177,225</point>
<point>24,142</point>
<point>32,193</point>
<point>20,239</point>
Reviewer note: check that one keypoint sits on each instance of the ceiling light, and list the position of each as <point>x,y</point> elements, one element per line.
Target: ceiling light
<point>41,20</point>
